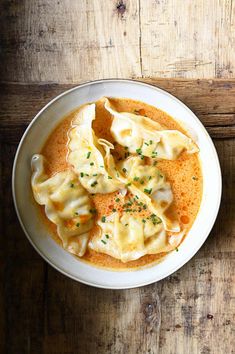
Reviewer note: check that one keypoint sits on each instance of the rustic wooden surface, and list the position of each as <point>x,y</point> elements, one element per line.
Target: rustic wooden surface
<point>191,311</point>
<point>47,45</point>
<point>69,40</point>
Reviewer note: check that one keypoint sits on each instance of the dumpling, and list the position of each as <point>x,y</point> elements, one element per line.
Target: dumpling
<point>146,137</point>
<point>67,205</point>
<point>150,185</point>
<point>90,157</point>
<point>128,238</point>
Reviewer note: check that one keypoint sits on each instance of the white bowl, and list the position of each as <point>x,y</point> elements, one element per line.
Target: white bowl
<point>32,141</point>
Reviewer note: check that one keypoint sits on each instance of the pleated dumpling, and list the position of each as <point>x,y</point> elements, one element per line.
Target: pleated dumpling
<point>128,238</point>
<point>90,157</point>
<point>150,185</point>
<point>67,205</point>
<point>146,137</point>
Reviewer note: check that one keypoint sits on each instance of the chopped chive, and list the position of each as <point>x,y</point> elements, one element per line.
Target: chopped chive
<point>141,182</point>
<point>150,142</point>
<point>148,191</point>
<point>145,206</point>
<point>177,250</point>
<point>124,169</point>
<point>109,177</point>
<point>101,166</point>
<point>95,174</point>
<point>78,224</point>
<point>88,155</point>
<point>150,177</point>
<point>71,185</point>
<point>103,219</point>
<point>142,157</point>
<point>136,178</point>
<point>114,210</point>
<point>146,143</point>
<point>126,147</point>
<point>117,174</point>
<point>139,151</point>
<point>126,224</point>
<point>82,174</point>
<point>93,211</point>
<point>76,213</point>
<point>144,221</point>
<point>136,196</point>
<point>117,200</point>
<point>92,164</point>
<point>94,184</point>
<point>106,235</point>
<point>104,242</point>
<point>128,184</point>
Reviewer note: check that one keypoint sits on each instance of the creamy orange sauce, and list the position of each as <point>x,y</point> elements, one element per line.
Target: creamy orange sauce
<point>184,174</point>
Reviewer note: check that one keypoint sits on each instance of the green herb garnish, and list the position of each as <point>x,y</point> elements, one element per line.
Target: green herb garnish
<point>94,184</point>
<point>103,219</point>
<point>148,191</point>
<point>88,155</point>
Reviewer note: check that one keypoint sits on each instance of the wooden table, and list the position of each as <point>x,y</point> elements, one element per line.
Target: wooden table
<point>193,310</point>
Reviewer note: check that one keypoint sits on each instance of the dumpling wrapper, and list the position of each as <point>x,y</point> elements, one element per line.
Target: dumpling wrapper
<point>127,238</point>
<point>144,136</point>
<point>67,205</point>
<point>150,185</point>
<point>90,157</point>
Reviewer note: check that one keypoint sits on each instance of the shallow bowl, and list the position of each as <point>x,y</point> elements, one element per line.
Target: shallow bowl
<point>27,210</point>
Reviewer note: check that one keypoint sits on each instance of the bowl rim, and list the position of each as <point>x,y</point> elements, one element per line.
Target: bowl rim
<point>219,188</point>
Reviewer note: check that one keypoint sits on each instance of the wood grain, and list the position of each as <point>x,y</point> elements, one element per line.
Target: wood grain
<point>211,100</point>
<point>191,311</point>
<point>71,41</point>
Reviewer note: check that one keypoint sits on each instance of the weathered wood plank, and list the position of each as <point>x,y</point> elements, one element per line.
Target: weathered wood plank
<point>69,41</point>
<point>211,100</point>
<point>191,39</point>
